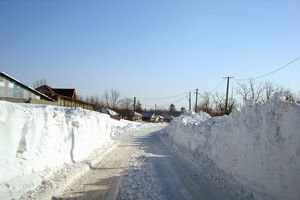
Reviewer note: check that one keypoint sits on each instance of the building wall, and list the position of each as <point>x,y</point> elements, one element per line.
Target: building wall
<point>12,89</point>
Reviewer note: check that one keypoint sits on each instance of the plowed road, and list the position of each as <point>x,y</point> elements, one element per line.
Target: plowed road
<point>142,167</point>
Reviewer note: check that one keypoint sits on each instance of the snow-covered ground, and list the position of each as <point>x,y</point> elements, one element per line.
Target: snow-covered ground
<point>258,145</point>
<point>140,181</point>
<point>39,142</point>
<point>46,148</point>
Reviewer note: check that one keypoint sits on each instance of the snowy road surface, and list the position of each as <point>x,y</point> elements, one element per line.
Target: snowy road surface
<point>142,167</point>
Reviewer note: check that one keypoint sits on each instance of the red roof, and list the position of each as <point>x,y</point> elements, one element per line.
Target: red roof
<point>66,92</point>
<point>55,92</point>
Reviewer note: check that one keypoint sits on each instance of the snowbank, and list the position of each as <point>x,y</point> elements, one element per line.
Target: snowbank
<point>119,127</point>
<point>34,139</point>
<point>259,145</point>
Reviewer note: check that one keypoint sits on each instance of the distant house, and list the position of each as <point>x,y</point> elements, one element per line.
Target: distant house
<point>14,90</point>
<point>111,113</point>
<point>151,117</point>
<point>168,118</point>
<point>148,117</point>
<point>54,93</point>
<point>64,97</point>
<point>135,116</point>
<point>159,118</point>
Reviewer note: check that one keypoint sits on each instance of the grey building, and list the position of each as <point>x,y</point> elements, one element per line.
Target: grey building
<point>12,89</point>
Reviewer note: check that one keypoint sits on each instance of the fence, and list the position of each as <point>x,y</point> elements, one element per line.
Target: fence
<point>61,101</point>
<point>69,102</point>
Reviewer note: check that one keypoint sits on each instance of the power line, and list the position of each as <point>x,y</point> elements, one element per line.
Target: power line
<point>175,101</point>
<point>165,97</point>
<point>145,105</point>
<point>217,87</point>
<point>267,74</point>
<point>162,106</point>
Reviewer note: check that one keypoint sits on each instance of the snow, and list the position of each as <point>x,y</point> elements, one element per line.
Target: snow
<point>119,127</point>
<point>140,180</point>
<point>36,141</point>
<point>259,145</point>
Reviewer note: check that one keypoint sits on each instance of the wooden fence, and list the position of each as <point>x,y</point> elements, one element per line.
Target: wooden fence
<point>69,102</point>
<point>61,101</point>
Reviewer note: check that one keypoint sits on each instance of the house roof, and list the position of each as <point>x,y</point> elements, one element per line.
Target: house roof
<point>65,92</point>
<point>109,111</point>
<point>148,115</point>
<point>27,87</point>
<point>137,114</point>
<point>113,113</point>
<point>159,116</point>
<point>46,87</point>
<point>54,92</point>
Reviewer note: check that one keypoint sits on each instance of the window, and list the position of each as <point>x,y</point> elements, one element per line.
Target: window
<point>16,91</point>
<point>2,84</point>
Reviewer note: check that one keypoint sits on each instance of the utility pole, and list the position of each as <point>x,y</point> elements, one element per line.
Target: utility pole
<point>227,89</point>
<point>155,110</point>
<point>196,104</point>
<point>134,104</point>
<point>190,101</point>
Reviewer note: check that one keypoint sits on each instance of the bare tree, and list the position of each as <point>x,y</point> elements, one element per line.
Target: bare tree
<point>98,103</point>
<point>39,83</point>
<point>243,91</point>
<point>298,98</point>
<point>219,101</point>
<point>251,91</point>
<point>79,97</point>
<point>106,98</point>
<point>95,100</point>
<point>231,105</point>
<point>256,91</point>
<point>126,103</point>
<point>138,106</point>
<point>269,90</point>
<point>205,103</point>
<point>115,94</point>
<point>289,96</point>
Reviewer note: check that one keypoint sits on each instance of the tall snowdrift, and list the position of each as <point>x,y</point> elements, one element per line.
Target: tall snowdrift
<point>35,138</point>
<point>259,145</point>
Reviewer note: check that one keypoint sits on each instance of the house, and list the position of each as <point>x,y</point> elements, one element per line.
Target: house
<point>64,97</point>
<point>135,116</point>
<point>54,93</point>
<point>14,90</point>
<point>159,118</point>
<point>151,117</point>
<point>168,118</point>
<point>148,117</point>
<point>111,113</point>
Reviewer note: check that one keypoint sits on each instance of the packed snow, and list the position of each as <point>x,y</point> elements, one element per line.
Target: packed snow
<point>259,145</point>
<point>38,140</point>
<point>140,181</point>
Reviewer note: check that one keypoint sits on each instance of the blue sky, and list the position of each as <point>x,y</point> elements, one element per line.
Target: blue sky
<point>149,48</point>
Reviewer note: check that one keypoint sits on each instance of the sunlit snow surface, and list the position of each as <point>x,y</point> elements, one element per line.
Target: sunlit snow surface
<point>259,145</point>
<point>36,140</point>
